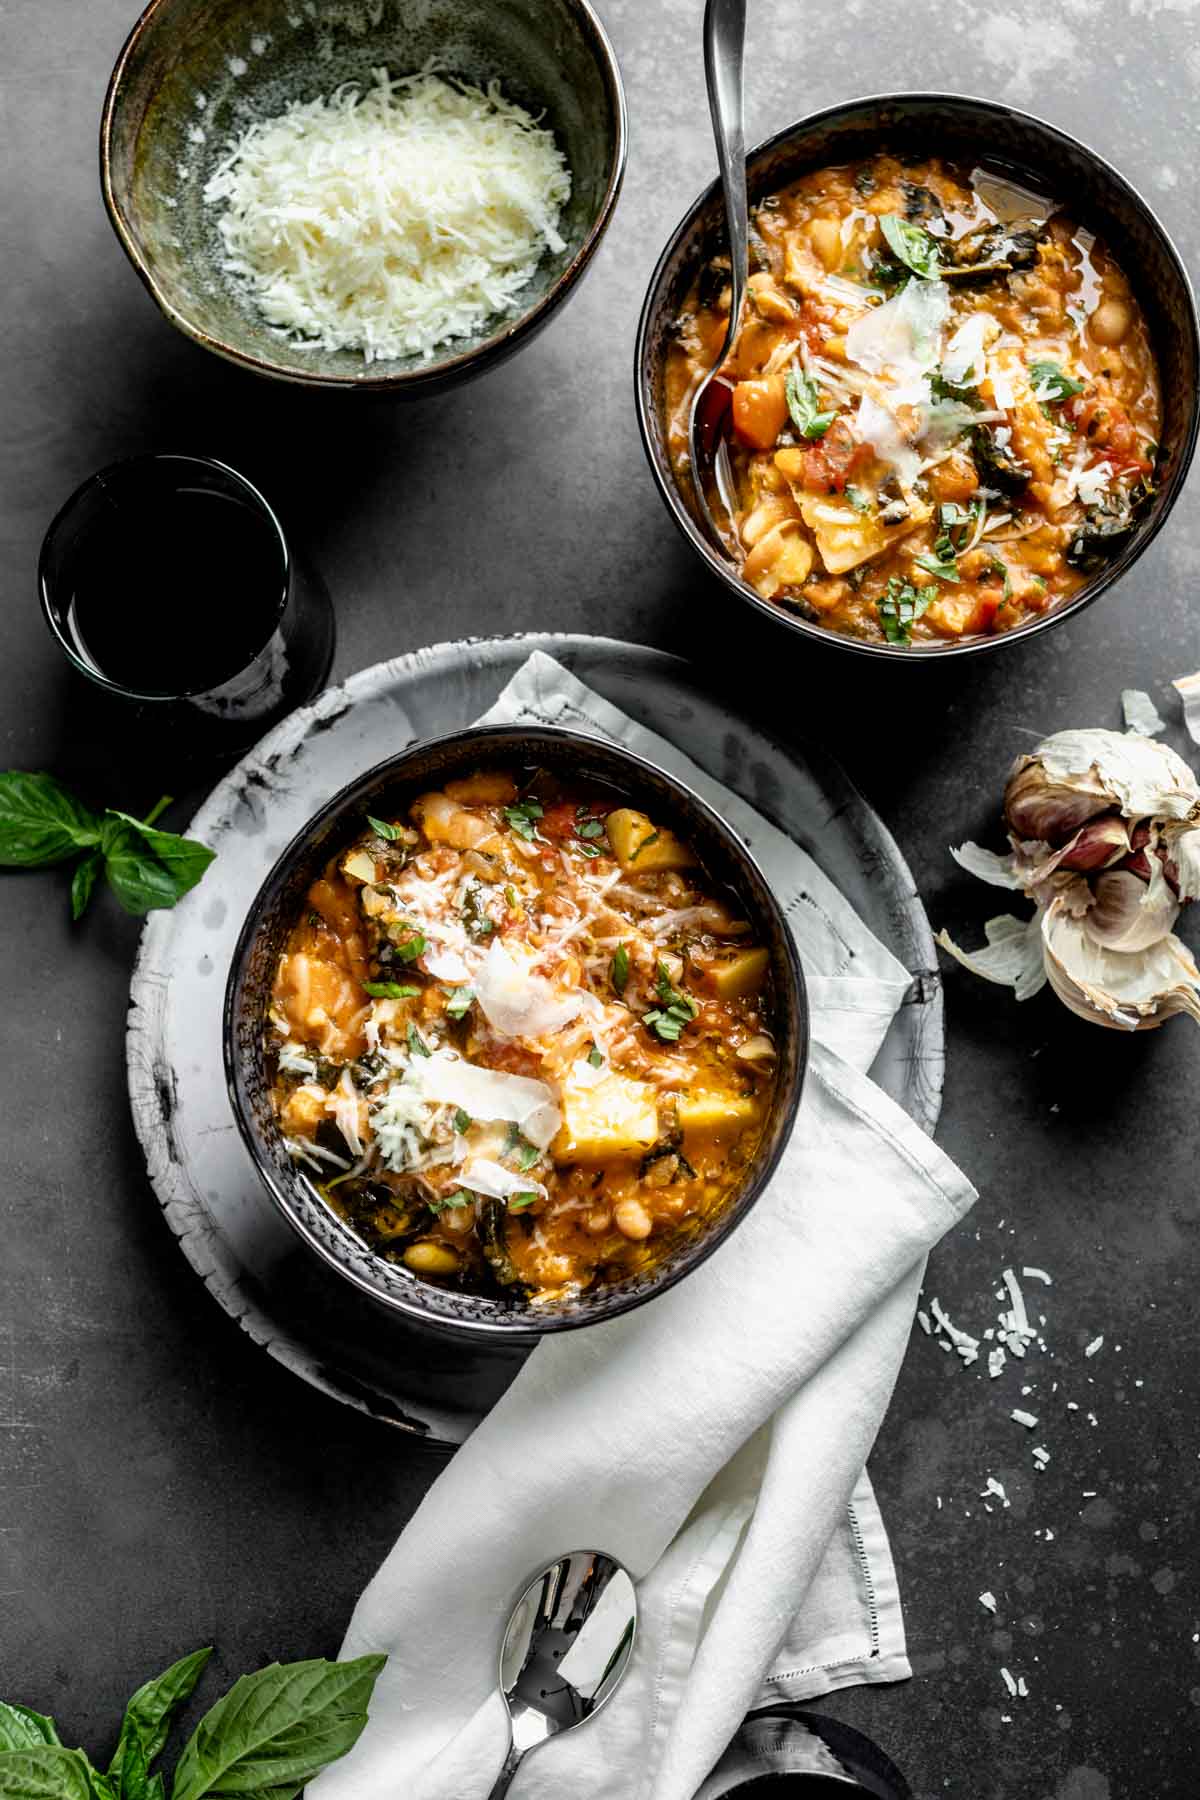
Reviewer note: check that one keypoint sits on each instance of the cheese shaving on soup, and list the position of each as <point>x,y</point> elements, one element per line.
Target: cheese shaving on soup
<point>391,221</point>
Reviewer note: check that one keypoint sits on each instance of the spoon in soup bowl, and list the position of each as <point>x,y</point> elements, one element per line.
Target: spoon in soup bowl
<point>565,1651</point>
<point>710,419</point>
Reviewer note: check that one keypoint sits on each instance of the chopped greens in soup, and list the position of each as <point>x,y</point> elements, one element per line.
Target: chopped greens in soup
<point>521,1040</point>
<point>945,406</point>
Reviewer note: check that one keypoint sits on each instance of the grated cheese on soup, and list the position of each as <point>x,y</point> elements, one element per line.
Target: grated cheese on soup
<point>391,221</point>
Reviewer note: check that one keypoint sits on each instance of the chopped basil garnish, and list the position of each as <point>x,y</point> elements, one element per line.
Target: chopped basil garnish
<point>595,1057</point>
<point>411,947</point>
<point>914,247</point>
<point>676,1011</point>
<point>382,829</point>
<point>859,499</point>
<point>459,1003</point>
<point>590,828</point>
<point>445,1202</point>
<point>804,404</point>
<point>475,921</point>
<point>899,607</point>
<point>619,969</point>
<point>1050,382</point>
<point>516,1202</point>
<point>416,1042</point>
<point>523,816</point>
<point>388,990</point>
<point>462,1120</point>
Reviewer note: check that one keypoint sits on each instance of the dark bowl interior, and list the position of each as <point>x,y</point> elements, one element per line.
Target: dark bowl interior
<point>195,73</point>
<point>393,784</point>
<point>969,132</point>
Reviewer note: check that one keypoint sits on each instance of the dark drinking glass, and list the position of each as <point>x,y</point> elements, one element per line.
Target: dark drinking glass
<point>169,582</point>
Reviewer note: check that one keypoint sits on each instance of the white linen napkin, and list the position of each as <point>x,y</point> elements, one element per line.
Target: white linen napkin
<point>714,1440</point>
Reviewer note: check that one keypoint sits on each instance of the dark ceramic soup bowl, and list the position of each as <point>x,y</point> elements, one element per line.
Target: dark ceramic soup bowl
<point>195,73</point>
<point>980,133</point>
<point>386,790</point>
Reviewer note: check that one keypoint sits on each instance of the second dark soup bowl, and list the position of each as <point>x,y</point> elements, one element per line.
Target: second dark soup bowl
<point>969,132</point>
<point>388,788</point>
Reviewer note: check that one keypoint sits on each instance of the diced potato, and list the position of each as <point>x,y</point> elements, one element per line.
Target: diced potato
<point>614,1117</point>
<point>640,845</point>
<point>358,866</point>
<point>720,1116</point>
<point>846,537</point>
<point>825,235</point>
<point>741,973</point>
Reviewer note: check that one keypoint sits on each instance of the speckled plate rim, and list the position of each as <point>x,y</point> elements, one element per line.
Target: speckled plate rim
<point>465,677</point>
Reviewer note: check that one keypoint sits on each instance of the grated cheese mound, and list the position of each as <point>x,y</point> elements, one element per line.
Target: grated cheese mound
<point>391,221</point>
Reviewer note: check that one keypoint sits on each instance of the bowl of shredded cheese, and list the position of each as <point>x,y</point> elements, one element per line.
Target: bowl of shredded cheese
<point>378,194</point>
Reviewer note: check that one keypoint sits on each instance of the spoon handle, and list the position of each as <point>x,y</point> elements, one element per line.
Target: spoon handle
<point>505,1777</point>
<point>724,41</point>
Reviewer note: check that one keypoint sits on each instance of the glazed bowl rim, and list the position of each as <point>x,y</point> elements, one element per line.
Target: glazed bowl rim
<point>919,654</point>
<point>423,377</point>
<point>793,1002</point>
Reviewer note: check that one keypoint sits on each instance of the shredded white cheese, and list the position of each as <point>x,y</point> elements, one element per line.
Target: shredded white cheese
<point>392,221</point>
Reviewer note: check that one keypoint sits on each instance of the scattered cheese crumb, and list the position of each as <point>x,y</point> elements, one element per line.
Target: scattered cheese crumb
<point>996,1362</point>
<point>988,1602</point>
<point>923,1322</point>
<point>1041,1456</point>
<point>1096,1344</point>
<point>1008,1681</point>
<point>1022,1687</point>
<point>994,1487</point>
<point>1037,1275</point>
<point>1028,1419</point>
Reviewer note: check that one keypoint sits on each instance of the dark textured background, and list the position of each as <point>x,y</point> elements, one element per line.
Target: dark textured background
<point>162,1484</point>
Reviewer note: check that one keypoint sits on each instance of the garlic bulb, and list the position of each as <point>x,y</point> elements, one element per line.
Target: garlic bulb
<point>1104,835</point>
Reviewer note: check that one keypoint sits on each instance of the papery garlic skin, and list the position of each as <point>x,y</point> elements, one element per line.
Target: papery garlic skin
<point>1074,775</point>
<point>1129,914</point>
<point>1110,987</point>
<point>1012,957</point>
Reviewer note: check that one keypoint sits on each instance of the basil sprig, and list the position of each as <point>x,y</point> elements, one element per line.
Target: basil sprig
<point>804,404</point>
<point>675,1009</point>
<point>42,823</point>
<point>899,607</point>
<point>1051,382</point>
<point>270,1734</point>
<point>914,247</point>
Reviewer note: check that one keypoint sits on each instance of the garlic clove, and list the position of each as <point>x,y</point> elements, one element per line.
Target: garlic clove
<point>1096,845</point>
<point>1129,914</point>
<point>1037,806</point>
<point>1012,956</point>
<point>1144,778</point>
<point>1129,991</point>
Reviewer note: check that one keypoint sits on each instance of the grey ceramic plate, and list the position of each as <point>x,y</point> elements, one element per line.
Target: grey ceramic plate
<point>297,1309</point>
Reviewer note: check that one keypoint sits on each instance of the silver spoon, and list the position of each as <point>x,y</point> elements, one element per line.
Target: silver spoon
<point>565,1651</point>
<point>724,40</point>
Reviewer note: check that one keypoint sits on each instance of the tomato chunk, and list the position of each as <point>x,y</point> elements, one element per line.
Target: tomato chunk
<point>831,462</point>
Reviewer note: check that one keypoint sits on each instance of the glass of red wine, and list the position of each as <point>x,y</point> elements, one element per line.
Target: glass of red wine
<point>785,1753</point>
<point>168,582</point>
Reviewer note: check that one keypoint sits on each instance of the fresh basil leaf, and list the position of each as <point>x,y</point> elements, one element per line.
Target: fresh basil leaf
<point>458,1003</point>
<point>518,1202</point>
<point>41,822</point>
<point>277,1729</point>
<point>590,828</point>
<point>619,969</point>
<point>858,497</point>
<point>147,1722</point>
<point>521,817</point>
<point>804,404</point>
<point>146,868</point>
<point>23,1729</point>
<point>1051,382</point>
<point>411,948</point>
<point>382,829</point>
<point>446,1202</point>
<point>389,990</point>
<point>416,1043</point>
<point>914,247</point>
<point>596,1057</point>
<point>83,881</point>
<point>462,1120</point>
<point>944,567</point>
<point>49,1772</point>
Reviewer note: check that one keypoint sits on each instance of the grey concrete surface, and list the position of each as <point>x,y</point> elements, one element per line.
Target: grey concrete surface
<point>162,1484</point>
